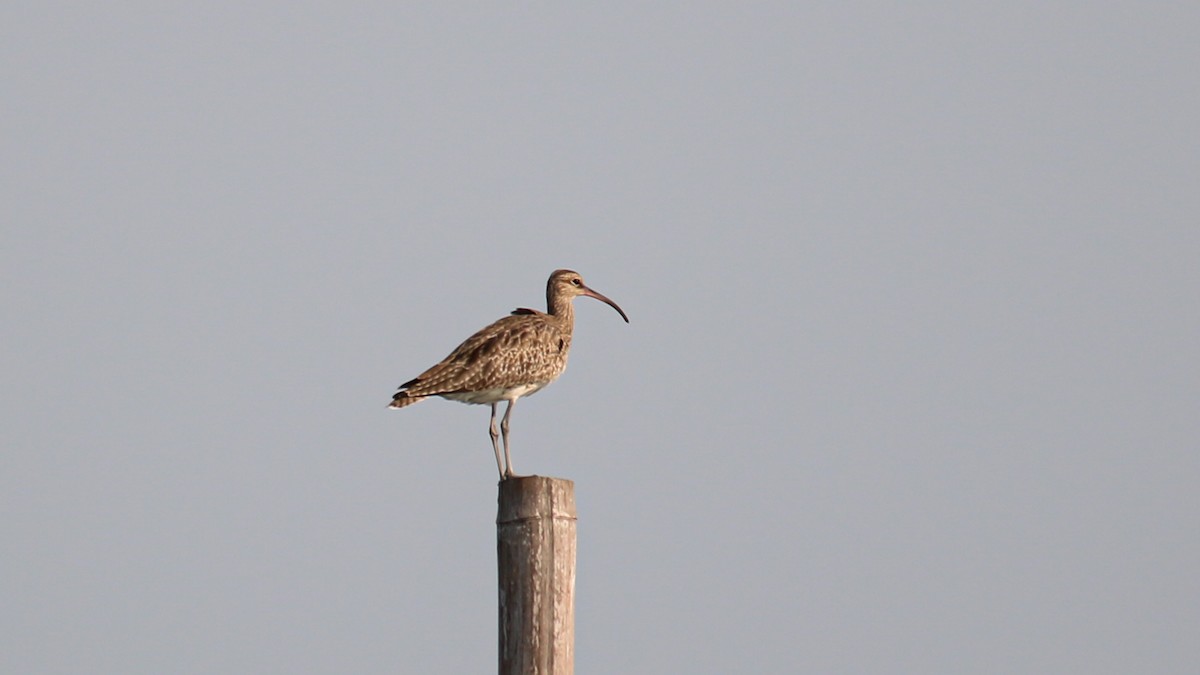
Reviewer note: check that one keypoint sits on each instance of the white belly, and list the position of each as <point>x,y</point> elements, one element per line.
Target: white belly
<point>496,394</point>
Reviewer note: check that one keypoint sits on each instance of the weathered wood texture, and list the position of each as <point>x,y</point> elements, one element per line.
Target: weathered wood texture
<point>535,547</point>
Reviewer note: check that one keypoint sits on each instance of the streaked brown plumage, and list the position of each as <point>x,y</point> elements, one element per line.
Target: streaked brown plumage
<point>513,357</point>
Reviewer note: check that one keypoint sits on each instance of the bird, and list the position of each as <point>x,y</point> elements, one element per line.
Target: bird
<point>515,356</point>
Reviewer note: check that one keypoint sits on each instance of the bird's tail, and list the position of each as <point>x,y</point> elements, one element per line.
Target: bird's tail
<point>402,399</point>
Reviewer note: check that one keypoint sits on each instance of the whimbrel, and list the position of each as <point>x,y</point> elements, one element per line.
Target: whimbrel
<point>514,357</point>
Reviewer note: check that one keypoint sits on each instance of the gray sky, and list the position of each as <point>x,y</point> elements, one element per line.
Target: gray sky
<point>911,383</point>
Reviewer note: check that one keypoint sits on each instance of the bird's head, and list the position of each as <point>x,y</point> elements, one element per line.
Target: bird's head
<point>567,284</point>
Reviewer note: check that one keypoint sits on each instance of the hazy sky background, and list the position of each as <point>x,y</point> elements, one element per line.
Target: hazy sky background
<point>911,385</point>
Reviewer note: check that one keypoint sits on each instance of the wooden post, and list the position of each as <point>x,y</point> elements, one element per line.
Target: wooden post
<point>535,549</point>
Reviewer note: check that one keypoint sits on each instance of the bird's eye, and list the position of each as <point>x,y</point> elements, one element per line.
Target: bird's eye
<point>576,281</point>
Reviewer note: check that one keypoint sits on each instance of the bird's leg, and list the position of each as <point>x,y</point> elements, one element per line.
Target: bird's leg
<point>496,437</point>
<point>504,427</point>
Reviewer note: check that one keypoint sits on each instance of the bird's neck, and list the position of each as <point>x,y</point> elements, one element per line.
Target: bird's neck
<point>561,308</point>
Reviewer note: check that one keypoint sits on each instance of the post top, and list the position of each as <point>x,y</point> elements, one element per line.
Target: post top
<point>526,497</point>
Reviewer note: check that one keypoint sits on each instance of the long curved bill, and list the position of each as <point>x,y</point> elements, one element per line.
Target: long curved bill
<point>602,298</point>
